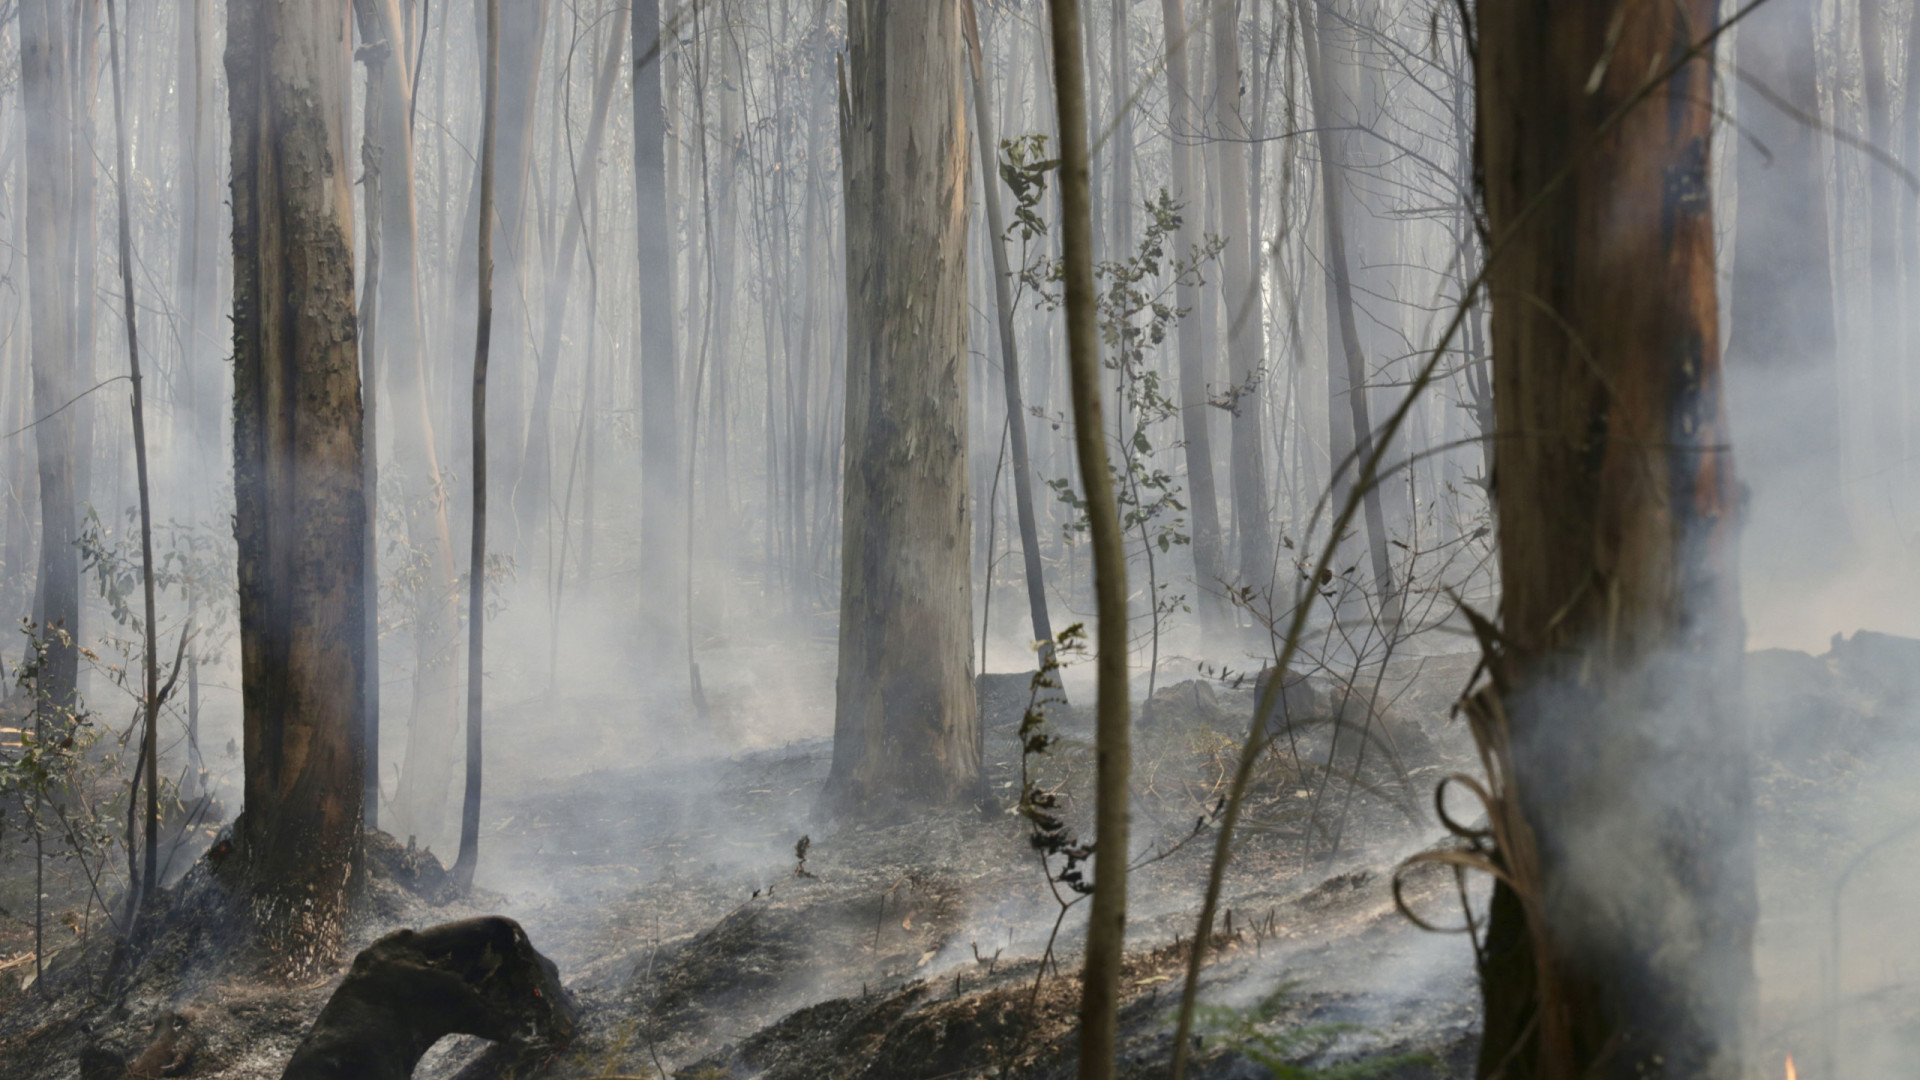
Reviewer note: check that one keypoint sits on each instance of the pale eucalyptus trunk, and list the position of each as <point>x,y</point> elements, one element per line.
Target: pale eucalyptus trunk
<point>1209,563</point>
<point>906,729</point>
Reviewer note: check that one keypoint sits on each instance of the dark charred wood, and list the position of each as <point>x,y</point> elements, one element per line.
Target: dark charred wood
<point>474,977</point>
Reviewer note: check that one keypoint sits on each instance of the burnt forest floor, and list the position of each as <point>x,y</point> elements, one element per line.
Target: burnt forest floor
<point>667,888</point>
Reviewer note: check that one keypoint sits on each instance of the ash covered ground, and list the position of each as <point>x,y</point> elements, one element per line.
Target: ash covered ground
<point>666,885</point>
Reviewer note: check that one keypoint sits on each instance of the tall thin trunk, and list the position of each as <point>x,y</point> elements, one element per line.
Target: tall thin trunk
<point>816,286</point>
<point>150,702</point>
<point>202,369</point>
<point>377,56</point>
<point>1009,347</point>
<point>50,164</point>
<point>1120,135</point>
<point>1887,404</point>
<point>83,238</point>
<point>522,50</point>
<point>657,389</point>
<point>197,300</point>
<point>1209,564</point>
<point>463,865</point>
<point>536,470</point>
<point>434,713</point>
<point>1106,926</point>
<point>1241,294</point>
<point>1340,313</point>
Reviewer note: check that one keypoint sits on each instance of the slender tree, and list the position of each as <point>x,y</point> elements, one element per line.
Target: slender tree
<point>150,667</point>
<point>463,865</point>
<point>1209,564</point>
<point>1346,373</point>
<point>1241,292</point>
<point>536,476</point>
<point>399,352</point>
<point>299,508</point>
<point>1009,348</point>
<point>656,389</point>
<point>50,161</point>
<point>377,55</point>
<point>906,728</point>
<point>1106,925</point>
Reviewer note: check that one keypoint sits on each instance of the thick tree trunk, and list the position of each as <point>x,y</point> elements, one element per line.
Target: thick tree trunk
<point>51,161</point>
<point>1620,630</point>
<point>298,505</point>
<point>1781,348</point>
<point>1209,564</point>
<point>906,730</point>
<point>657,381</point>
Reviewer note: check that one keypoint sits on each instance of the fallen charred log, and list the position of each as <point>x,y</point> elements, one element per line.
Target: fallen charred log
<point>474,977</point>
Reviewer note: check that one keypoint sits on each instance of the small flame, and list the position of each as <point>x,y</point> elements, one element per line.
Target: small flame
<point>1791,1074</point>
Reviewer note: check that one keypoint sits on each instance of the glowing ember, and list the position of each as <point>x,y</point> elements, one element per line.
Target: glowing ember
<point>1791,1074</point>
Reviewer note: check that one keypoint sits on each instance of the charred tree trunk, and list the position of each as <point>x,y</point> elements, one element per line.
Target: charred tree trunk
<point>299,509</point>
<point>906,730</point>
<point>411,988</point>
<point>1620,633</point>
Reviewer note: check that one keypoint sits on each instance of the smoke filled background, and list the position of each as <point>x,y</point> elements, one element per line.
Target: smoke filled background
<point>663,625</point>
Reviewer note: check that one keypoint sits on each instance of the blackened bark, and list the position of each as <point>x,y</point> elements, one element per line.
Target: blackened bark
<point>1620,628</point>
<point>299,510</point>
